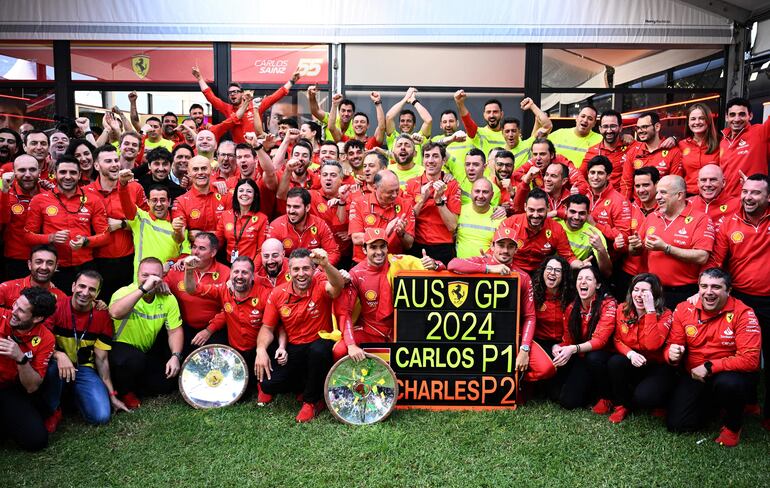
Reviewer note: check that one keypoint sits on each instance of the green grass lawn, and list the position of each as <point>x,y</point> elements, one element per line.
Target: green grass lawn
<point>167,443</point>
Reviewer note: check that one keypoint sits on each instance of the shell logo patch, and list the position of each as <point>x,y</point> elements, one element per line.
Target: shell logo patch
<point>686,151</point>
<point>180,286</point>
<point>195,214</point>
<point>51,210</point>
<point>736,237</point>
<point>287,243</point>
<point>17,209</point>
<point>322,207</point>
<point>650,231</point>
<point>688,219</point>
<point>35,341</point>
<point>228,226</point>
<point>637,163</point>
<point>370,219</point>
<point>624,329</point>
<point>634,223</point>
<point>520,243</point>
<point>228,307</point>
<point>370,295</point>
<point>285,311</point>
<point>691,331</point>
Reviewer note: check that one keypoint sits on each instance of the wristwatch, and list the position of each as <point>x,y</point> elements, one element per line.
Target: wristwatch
<point>178,355</point>
<point>24,360</point>
<point>524,348</point>
<point>708,365</point>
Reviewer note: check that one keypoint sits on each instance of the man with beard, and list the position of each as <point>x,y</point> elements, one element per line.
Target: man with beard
<point>198,116</point>
<point>197,311</point>
<point>10,145</point>
<point>168,126</point>
<point>83,340</point>
<point>128,148</point>
<point>407,122</point>
<point>225,167</point>
<point>58,142</point>
<point>346,110</point>
<point>744,148</point>
<point>489,136</point>
<point>275,266</point>
<point>360,123</point>
<point>611,146</point>
<point>711,198</point>
<point>677,241</point>
<point>386,209</point>
<point>539,236</point>
<point>36,145</point>
<point>296,174</point>
<point>436,208</point>
<point>206,144</point>
<point>26,346</point>
<point>242,307</point>
<point>18,189</point>
<point>301,229</point>
<point>330,205</point>
<point>373,162</point>
<point>742,249</point>
<point>303,307</point>
<point>610,212</point>
<point>555,185</point>
<point>353,163</point>
<point>114,260</point>
<point>404,154</point>
<point>235,95</point>
<point>650,151</point>
<point>139,362</point>
<point>180,161</point>
<point>543,154</point>
<point>267,182</point>
<point>202,205</point>
<point>69,218</point>
<point>159,168</point>
<point>371,284</point>
<point>718,341</point>
<point>585,239</point>
<point>512,132</point>
<point>42,265</point>
<point>477,222</point>
<point>574,143</point>
<point>504,162</point>
<point>153,232</point>
<point>456,141</point>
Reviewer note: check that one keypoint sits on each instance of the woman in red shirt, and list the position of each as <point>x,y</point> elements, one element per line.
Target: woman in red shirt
<point>83,151</point>
<point>700,146</point>
<point>552,290</point>
<point>244,228</point>
<point>639,377</point>
<point>583,353</point>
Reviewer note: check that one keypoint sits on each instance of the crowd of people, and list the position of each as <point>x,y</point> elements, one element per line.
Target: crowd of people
<point>130,244</point>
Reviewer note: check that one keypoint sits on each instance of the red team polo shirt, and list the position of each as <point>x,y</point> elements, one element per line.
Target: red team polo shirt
<point>690,230</point>
<point>535,246</point>
<point>242,233</point>
<point>429,227</point>
<point>197,311</point>
<point>731,339</point>
<point>723,206</point>
<point>319,206</point>
<point>83,214</point>
<point>549,325</point>
<point>121,241</point>
<point>694,157</point>
<point>38,342</point>
<point>748,153</point>
<point>14,207</point>
<point>667,161</point>
<point>201,212</point>
<point>743,250</point>
<point>302,315</point>
<point>243,318</point>
<point>10,291</point>
<point>367,212</point>
<point>634,264</point>
<point>616,156</point>
<point>316,234</point>
<point>646,334</point>
<point>611,212</point>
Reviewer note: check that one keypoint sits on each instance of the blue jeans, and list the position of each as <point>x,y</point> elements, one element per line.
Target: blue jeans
<point>91,395</point>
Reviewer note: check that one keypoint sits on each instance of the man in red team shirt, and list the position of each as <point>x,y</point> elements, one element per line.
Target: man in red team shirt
<point>303,307</point>
<point>742,248</point>
<point>556,186</point>
<point>197,311</point>
<point>18,189</point>
<point>114,260</point>
<point>717,340</point>
<point>384,208</point>
<point>69,218</point>
<point>531,357</point>
<point>41,265</point>
<point>676,240</point>
<point>301,229</point>
<point>235,95</point>
<point>649,151</point>
<point>36,145</point>
<point>436,207</point>
<point>330,204</point>
<point>296,174</point>
<point>711,198</point>
<point>610,212</point>
<point>745,148</point>
<point>371,283</point>
<point>202,205</point>
<point>612,146</point>
<point>539,236</point>
<point>360,123</point>
<point>26,346</point>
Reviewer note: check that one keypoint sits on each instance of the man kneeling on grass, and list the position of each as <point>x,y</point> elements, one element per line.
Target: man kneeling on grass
<point>303,307</point>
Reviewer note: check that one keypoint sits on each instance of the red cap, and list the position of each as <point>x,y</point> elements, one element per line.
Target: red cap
<point>506,232</point>
<point>372,234</point>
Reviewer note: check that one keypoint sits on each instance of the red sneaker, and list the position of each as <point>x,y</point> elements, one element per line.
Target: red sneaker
<point>766,424</point>
<point>728,438</point>
<point>618,414</point>
<point>262,397</point>
<point>307,413</point>
<point>130,400</point>
<point>752,409</point>
<point>658,412</point>
<point>602,407</point>
<point>52,422</point>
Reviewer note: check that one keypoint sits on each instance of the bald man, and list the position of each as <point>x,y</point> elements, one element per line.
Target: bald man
<point>385,208</point>
<point>477,222</point>
<point>19,186</point>
<point>676,240</point>
<point>711,199</point>
<point>206,144</point>
<point>202,206</point>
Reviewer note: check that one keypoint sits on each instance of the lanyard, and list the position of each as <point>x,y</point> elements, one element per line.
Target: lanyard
<point>74,326</point>
<point>82,202</point>
<point>235,225</point>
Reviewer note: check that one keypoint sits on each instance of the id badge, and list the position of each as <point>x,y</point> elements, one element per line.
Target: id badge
<point>233,255</point>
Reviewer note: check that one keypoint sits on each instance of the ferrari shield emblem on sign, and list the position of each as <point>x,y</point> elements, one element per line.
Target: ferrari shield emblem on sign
<point>458,292</point>
<point>141,65</point>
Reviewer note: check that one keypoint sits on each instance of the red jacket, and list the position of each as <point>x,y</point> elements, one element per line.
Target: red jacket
<point>667,161</point>
<point>201,211</point>
<point>246,124</point>
<point>14,207</point>
<point>645,335</point>
<point>604,327</point>
<point>748,152</point>
<point>316,234</point>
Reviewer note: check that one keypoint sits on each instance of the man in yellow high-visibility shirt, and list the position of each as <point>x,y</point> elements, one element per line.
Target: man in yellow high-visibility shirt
<point>573,143</point>
<point>407,122</point>
<point>456,141</point>
<point>489,136</point>
<point>513,137</point>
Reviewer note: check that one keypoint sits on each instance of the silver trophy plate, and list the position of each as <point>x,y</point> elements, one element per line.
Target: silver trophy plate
<point>213,376</point>
<point>361,393</point>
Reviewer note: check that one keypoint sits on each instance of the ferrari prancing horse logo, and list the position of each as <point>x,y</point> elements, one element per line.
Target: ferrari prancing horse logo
<point>141,65</point>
